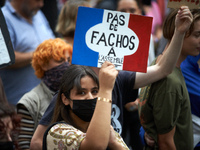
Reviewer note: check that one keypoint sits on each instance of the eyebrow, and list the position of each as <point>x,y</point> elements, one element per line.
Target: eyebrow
<point>94,88</point>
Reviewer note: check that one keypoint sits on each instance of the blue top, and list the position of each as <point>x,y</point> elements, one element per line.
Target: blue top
<point>191,73</point>
<point>25,37</point>
<point>122,94</point>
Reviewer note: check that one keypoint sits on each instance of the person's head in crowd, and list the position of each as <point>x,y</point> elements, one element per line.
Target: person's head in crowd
<point>27,8</point>
<point>67,17</point>
<point>9,127</point>
<point>169,25</point>
<point>79,87</point>
<point>130,6</point>
<point>191,40</point>
<point>50,60</point>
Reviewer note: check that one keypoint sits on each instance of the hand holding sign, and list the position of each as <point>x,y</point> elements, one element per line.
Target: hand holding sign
<point>184,19</point>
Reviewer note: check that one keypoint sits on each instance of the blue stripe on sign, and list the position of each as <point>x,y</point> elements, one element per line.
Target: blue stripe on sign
<point>82,55</point>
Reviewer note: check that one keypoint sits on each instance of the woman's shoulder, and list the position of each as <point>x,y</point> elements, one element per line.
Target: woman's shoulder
<point>62,125</point>
<point>62,128</point>
<point>65,135</point>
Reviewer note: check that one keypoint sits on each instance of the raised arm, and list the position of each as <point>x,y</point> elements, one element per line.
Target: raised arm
<point>98,133</point>
<point>169,59</point>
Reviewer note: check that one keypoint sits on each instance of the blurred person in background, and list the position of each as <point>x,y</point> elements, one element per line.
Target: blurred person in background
<point>67,19</point>
<point>9,127</point>
<point>28,27</point>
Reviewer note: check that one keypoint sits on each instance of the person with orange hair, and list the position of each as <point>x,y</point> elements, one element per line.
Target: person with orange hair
<point>50,60</point>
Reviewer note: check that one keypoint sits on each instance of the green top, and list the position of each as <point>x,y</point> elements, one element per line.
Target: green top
<point>164,105</point>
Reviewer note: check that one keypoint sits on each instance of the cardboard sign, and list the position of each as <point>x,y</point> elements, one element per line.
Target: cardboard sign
<point>103,35</point>
<point>192,4</point>
<point>7,56</point>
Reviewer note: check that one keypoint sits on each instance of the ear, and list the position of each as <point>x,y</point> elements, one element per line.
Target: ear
<point>65,100</point>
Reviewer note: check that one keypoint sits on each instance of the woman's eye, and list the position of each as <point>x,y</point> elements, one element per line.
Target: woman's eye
<point>81,93</point>
<point>197,35</point>
<point>95,92</point>
<point>132,10</point>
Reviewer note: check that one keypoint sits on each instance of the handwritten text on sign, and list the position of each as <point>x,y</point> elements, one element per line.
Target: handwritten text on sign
<point>112,38</point>
<point>192,4</point>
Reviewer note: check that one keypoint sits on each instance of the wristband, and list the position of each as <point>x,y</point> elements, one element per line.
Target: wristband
<point>104,99</point>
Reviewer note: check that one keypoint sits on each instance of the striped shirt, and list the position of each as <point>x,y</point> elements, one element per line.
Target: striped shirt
<point>26,129</point>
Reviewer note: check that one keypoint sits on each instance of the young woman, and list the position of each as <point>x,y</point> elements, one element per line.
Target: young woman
<point>163,104</point>
<point>83,111</point>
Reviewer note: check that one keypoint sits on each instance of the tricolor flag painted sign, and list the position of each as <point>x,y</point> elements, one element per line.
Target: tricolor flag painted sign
<point>104,35</point>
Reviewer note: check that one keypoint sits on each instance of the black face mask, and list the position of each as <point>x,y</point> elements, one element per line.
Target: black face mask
<point>84,109</point>
<point>52,77</point>
<point>6,146</point>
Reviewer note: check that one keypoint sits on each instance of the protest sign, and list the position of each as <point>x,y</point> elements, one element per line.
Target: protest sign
<point>7,56</point>
<point>192,4</point>
<point>104,35</point>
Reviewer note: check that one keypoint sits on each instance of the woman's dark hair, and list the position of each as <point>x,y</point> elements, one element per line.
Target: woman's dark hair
<point>7,110</point>
<point>71,78</point>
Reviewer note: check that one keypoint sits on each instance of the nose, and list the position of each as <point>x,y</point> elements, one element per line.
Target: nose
<point>90,96</point>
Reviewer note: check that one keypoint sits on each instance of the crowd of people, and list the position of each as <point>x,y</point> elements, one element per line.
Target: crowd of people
<point>48,103</point>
